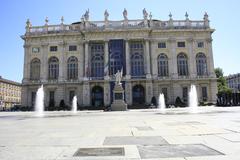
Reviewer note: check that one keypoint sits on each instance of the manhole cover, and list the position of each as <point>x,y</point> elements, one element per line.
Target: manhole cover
<point>144,128</point>
<point>173,151</point>
<point>82,152</point>
<point>130,140</point>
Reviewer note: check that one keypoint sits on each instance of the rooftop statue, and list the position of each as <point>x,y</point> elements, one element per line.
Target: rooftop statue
<point>125,14</point>
<point>86,15</point>
<point>106,15</point>
<point>145,14</point>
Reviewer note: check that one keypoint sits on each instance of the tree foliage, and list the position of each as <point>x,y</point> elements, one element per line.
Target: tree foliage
<point>221,82</point>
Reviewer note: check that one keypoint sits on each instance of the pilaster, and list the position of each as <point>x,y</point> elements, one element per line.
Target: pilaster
<point>86,94</point>
<point>128,65</point>
<point>128,92</point>
<point>86,61</point>
<point>26,69</point>
<point>147,57</point>
<point>149,92</point>
<point>44,62</point>
<point>154,56</point>
<point>106,60</point>
<point>106,94</point>
<point>62,65</point>
<point>192,60</point>
<point>81,60</point>
<point>173,61</point>
<point>211,62</point>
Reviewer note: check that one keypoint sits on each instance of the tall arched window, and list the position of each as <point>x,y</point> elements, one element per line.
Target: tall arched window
<point>97,60</point>
<point>137,59</point>
<point>137,64</point>
<point>53,68</point>
<point>182,63</point>
<point>201,62</point>
<point>72,64</point>
<point>35,69</point>
<point>162,65</point>
<point>115,62</point>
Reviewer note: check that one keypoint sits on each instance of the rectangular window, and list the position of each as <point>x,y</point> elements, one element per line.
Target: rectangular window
<point>181,44</point>
<point>35,50</point>
<point>204,94</point>
<point>185,94</point>
<point>162,45</point>
<point>53,48</point>
<point>72,48</point>
<point>71,95</point>
<point>200,45</point>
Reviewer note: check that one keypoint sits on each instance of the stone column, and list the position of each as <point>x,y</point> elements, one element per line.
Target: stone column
<point>86,62</point>
<point>44,62</point>
<point>173,60</point>
<point>106,61</point>
<point>128,60</point>
<point>80,61</point>
<point>210,59</point>
<point>26,69</point>
<point>62,66</point>
<point>128,92</point>
<point>147,59</point>
<point>86,94</point>
<point>192,59</point>
<point>106,94</point>
<point>149,92</point>
<point>154,56</point>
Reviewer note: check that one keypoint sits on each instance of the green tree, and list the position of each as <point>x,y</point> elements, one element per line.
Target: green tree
<point>218,72</point>
<point>221,82</point>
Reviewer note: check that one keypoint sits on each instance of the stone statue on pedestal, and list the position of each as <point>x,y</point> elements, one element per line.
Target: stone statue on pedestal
<point>118,76</point>
<point>118,103</point>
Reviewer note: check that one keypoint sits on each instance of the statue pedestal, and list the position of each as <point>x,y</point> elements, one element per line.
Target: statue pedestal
<point>118,99</point>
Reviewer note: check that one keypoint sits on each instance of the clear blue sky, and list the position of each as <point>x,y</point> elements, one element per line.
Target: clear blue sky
<point>224,16</point>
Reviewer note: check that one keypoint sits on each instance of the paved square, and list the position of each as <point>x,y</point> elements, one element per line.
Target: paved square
<point>141,134</point>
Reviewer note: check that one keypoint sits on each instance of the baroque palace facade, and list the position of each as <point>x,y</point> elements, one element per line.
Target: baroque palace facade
<point>155,56</point>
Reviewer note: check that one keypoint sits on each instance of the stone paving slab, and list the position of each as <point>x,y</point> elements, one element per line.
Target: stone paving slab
<point>166,151</point>
<point>100,151</point>
<point>130,140</point>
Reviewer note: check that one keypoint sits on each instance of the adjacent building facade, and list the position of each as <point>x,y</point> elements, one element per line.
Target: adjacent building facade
<point>155,56</point>
<point>10,93</point>
<point>233,82</point>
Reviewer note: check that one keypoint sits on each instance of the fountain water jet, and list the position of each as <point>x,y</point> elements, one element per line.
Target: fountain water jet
<point>161,102</point>
<point>193,99</point>
<point>39,102</point>
<point>74,104</point>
